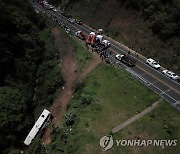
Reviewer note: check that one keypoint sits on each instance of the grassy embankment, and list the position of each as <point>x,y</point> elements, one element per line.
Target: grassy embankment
<point>83,56</point>
<point>162,123</point>
<point>107,97</point>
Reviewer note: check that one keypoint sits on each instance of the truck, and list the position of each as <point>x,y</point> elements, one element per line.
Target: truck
<point>48,6</point>
<point>45,4</point>
<point>97,41</point>
<point>90,40</point>
<point>125,59</point>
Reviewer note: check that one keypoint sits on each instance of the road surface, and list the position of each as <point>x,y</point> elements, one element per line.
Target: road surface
<point>165,87</point>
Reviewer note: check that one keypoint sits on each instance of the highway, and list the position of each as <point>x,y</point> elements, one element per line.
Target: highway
<point>167,88</point>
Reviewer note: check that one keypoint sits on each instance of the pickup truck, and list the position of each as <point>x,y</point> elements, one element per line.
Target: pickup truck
<point>125,59</point>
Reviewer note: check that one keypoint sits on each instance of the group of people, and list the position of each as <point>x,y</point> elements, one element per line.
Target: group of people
<point>104,55</point>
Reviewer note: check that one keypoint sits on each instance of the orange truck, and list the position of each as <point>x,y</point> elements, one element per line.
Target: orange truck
<point>90,40</point>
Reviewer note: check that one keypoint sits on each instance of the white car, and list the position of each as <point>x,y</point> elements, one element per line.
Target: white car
<point>71,20</point>
<point>55,10</point>
<point>118,56</point>
<point>106,43</point>
<point>153,63</point>
<point>170,74</point>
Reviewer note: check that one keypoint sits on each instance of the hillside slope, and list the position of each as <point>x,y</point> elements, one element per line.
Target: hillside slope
<point>150,27</point>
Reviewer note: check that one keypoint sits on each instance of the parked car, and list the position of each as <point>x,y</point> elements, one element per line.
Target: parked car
<point>55,10</point>
<point>170,74</point>
<point>79,34</point>
<point>78,22</point>
<point>153,63</point>
<point>71,20</point>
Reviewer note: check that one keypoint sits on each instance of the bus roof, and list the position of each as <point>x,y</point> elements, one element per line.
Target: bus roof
<point>36,127</point>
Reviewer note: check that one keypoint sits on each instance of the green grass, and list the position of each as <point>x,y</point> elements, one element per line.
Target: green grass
<point>83,56</point>
<point>107,97</point>
<point>162,123</point>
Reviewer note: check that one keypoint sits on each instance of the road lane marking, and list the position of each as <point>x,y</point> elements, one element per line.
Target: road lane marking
<point>152,76</point>
<point>158,79</point>
<point>163,92</point>
<point>52,13</point>
<point>151,83</point>
<point>117,47</point>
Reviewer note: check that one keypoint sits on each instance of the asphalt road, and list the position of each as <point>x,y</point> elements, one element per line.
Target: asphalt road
<point>154,79</point>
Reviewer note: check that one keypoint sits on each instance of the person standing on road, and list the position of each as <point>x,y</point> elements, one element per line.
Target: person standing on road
<point>137,56</point>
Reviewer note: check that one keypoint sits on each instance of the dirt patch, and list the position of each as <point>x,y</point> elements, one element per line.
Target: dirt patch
<point>69,72</point>
<point>59,107</point>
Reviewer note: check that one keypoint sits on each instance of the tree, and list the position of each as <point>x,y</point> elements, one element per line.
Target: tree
<point>15,119</point>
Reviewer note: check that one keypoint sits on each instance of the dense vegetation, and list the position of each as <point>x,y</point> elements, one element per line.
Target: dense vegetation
<point>24,60</point>
<point>151,27</point>
<point>163,14</point>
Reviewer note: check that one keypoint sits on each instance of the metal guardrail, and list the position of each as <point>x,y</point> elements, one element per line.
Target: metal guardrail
<point>152,86</point>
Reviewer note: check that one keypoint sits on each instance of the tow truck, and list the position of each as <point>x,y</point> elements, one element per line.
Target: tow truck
<point>125,59</point>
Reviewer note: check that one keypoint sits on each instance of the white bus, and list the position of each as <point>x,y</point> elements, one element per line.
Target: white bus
<point>39,125</point>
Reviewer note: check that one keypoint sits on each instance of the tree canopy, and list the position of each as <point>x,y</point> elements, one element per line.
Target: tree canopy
<point>14,117</point>
<point>20,55</point>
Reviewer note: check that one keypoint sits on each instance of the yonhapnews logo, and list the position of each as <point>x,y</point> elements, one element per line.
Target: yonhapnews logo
<point>106,142</point>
